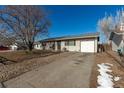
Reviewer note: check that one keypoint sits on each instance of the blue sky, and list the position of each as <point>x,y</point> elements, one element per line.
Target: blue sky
<point>74,20</point>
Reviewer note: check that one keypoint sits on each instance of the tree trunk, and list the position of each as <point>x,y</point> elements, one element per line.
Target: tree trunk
<point>30,46</point>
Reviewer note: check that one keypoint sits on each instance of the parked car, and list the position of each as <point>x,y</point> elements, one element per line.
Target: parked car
<point>4,48</point>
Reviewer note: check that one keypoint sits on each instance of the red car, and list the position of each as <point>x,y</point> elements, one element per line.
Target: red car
<point>3,48</point>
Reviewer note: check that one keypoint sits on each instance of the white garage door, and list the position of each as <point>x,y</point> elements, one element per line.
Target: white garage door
<point>87,46</point>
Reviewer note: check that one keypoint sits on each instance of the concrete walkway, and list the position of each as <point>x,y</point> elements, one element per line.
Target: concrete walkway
<point>70,72</point>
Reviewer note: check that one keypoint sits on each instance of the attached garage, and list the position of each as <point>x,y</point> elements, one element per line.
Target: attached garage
<point>88,46</point>
<point>87,43</point>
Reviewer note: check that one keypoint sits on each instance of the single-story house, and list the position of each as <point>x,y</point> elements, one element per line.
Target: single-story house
<point>116,41</point>
<point>38,45</point>
<point>80,43</point>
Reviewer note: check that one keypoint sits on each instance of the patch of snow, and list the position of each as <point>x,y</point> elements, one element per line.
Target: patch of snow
<point>116,78</point>
<point>105,80</point>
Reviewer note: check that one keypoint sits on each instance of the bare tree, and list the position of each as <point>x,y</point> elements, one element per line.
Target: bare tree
<point>25,22</point>
<point>111,23</point>
<point>6,39</point>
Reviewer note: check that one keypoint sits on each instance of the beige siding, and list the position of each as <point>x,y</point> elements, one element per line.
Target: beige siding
<point>96,45</point>
<point>71,48</point>
<point>62,45</point>
<point>76,48</point>
<point>56,46</point>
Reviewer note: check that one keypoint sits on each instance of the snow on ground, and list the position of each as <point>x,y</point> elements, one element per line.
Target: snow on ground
<point>116,78</point>
<point>105,80</point>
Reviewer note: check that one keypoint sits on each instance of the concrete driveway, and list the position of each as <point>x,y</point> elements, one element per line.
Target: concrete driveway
<point>72,71</point>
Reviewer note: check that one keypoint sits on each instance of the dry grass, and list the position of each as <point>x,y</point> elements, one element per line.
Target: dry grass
<point>118,70</point>
<point>25,62</point>
<point>19,56</point>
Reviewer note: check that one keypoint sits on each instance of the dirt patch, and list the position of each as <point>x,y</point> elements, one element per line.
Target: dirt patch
<point>117,69</point>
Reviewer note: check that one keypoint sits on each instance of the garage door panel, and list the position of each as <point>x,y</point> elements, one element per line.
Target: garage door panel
<point>87,46</point>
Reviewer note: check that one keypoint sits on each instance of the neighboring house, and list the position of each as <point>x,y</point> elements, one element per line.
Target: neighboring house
<point>116,41</point>
<point>38,45</point>
<point>13,47</point>
<point>79,43</point>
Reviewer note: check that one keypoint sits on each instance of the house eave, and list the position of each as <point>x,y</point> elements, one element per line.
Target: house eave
<point>70,39</point>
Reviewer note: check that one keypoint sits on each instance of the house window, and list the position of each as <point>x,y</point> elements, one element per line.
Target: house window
<point>70,43</point>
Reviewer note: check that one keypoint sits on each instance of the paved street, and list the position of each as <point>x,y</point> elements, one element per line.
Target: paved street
<point>71,71</point>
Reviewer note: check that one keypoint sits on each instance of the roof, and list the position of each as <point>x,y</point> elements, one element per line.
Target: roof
<point>113,34</point>
<point>88,35</point>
